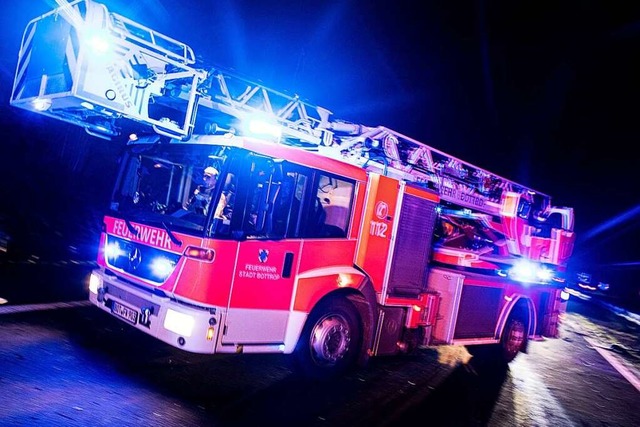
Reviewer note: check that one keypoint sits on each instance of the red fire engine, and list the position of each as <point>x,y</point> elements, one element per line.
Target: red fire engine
<point>327,240</point>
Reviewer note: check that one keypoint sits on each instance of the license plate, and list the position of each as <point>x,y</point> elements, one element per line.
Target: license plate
<point>124,312</point>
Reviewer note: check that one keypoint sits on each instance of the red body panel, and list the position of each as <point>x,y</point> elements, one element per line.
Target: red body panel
<point>258,281</point>
<point>375,235</point>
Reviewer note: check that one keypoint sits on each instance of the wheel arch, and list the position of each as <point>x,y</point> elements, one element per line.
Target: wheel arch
<point>520,307</point>
<point>334,336</point>
<point>363,298</point>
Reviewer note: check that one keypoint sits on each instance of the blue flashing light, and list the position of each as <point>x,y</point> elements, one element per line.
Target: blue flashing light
<point>41,104</point>
<point>162,267</point>
<point>99,43</point>
<point>113,250</point>
<point>258,126</point>
<point>526,271</point>
<point>523,271</point>
<point>544,274</point>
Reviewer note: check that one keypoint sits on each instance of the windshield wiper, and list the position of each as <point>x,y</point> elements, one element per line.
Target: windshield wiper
<point>172,236</point>
<point>131,228</point>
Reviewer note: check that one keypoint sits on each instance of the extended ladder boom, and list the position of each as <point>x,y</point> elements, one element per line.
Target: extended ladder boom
<point>81,64</point>
<point>85,65</point>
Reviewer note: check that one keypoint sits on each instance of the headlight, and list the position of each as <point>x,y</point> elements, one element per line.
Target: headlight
<point>179,323</point>
<point>530,272</point>
<point>95,283</point>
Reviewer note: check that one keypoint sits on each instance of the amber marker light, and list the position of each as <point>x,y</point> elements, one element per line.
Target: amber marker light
<point>200,254</point>
<point>344,280</point>
<point>210,333</point>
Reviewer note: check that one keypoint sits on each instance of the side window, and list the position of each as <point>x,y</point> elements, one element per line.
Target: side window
<point>555,220</point>
<point>524,208</point>
<point>224,208</point>
<point>544,226</point>
<point>329,207</point>
<point>288,202</point>
<point>282,200</point>
<point>263,188</point>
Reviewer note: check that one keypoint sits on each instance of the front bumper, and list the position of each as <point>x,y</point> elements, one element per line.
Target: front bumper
<point>188,327</point>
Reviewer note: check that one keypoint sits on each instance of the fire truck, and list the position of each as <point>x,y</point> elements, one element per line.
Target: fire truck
<point>326,240</point>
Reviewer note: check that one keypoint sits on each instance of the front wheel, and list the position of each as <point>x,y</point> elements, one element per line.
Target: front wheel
<point>513,339</point>
<point>330,341</point>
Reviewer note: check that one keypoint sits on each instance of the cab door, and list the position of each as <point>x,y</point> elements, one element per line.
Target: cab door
<point>267,259</point>
<point>261,292</point>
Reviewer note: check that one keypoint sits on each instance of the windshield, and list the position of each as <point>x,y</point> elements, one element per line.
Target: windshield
<point>170,185</point>
<point>230,193</point>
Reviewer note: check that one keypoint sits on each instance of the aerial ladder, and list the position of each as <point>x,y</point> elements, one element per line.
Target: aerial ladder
<point>102,70</point>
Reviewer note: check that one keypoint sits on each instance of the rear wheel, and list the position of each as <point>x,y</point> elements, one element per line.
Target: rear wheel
<point>513,339</point>
<point>330,341</point>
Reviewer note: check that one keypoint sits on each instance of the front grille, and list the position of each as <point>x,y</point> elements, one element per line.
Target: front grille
<point>139,260</point>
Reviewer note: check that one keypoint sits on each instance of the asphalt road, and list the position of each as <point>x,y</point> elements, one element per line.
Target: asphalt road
<point>70,364</point>
<point>76,366</point>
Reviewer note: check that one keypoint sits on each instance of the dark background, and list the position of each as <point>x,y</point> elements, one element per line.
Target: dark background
<point>541,92</point>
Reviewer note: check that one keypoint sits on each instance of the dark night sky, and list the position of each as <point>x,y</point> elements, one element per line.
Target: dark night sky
<point>541,92</point>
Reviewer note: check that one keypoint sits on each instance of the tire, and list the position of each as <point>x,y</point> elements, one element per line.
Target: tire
<point>514,338</point>
<point>330,341</point>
